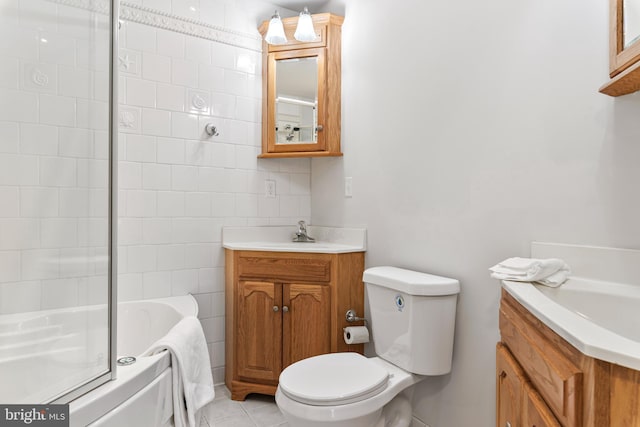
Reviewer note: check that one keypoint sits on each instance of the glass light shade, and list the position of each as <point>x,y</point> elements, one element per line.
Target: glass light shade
<point>275,33</point>
<point>305,31</point>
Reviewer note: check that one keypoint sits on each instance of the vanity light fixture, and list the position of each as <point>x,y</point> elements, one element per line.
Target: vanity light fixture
<point>275,33</point>
<point>305,31</point>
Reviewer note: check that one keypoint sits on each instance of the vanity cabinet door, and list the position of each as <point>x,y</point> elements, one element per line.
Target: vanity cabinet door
<point>535,412</point>
<point>259,331</point>
<point>306,322</point>
<point>509,388</point>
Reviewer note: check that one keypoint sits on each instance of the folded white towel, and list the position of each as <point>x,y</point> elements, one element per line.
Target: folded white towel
<point>551,272</point>
<point>191,370</point>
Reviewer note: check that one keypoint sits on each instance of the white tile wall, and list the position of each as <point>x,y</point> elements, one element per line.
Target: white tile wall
<point>53,197</point>
<point>177,186</point>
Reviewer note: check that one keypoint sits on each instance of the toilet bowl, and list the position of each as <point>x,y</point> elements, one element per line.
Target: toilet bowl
<point>361,393</point>
<point>412,321</point>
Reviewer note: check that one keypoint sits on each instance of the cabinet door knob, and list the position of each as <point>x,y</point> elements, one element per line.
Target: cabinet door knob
<point>508,424</point>
<point>275,308</point>
<point>285,308</point>
<point>319,128</point>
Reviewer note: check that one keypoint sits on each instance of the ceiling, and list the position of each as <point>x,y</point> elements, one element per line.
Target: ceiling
<point>313,5</point>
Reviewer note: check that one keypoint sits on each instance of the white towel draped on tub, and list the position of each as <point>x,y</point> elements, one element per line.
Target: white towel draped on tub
<point>551,272</point>
<point>191,371</point>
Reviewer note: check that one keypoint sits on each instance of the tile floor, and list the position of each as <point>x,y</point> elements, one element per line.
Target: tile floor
<point>256,411</point>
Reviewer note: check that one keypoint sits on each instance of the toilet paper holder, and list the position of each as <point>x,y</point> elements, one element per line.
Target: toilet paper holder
<point>351,317</point>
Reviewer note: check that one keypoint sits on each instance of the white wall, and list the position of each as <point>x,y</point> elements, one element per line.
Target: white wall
<point>471,129</point>
<point>178,186</point>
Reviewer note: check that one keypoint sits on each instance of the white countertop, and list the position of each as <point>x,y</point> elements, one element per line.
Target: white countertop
<point>279,239</point>
<point>577,328</point>
<point>595,310</point>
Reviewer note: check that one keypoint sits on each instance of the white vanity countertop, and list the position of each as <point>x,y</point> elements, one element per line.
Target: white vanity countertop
<point>595,315</point>
<point>601,332</point>
<point>279,239</point>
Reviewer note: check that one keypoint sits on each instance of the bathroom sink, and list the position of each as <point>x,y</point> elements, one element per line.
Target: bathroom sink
<point>601,319</point>
<point>316,247</point>
<point>279,239</point>
<point>610,305</point>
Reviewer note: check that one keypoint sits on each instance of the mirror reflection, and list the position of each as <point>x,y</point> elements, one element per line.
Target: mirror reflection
<point>296,100</point>
<point>631,20</point>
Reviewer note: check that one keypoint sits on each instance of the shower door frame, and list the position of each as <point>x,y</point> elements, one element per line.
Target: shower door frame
<point>91,384</point>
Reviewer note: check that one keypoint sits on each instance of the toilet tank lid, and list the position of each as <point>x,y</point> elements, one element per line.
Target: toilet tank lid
<point>411,282</point>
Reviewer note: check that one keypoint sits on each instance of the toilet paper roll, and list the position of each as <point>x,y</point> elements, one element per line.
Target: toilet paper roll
<point>356,334</point>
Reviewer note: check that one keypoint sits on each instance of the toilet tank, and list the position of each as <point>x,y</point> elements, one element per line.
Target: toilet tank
<point>412,318</point>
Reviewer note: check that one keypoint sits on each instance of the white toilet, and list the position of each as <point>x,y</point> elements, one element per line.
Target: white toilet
<point>412,323</point>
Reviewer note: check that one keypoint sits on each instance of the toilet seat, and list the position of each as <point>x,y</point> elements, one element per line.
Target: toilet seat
<point>333,379</point>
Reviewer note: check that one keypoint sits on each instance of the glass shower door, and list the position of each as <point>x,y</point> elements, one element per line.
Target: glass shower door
<point>55,198</point>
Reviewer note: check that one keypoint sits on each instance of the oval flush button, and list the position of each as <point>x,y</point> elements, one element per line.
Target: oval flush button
<point>399,302</point>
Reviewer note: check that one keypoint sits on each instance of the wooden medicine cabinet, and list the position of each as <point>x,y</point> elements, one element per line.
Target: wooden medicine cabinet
<point>301,91</point>
<point>624,48</point>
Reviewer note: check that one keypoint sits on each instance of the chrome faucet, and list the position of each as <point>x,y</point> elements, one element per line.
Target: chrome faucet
<point>301,234</point>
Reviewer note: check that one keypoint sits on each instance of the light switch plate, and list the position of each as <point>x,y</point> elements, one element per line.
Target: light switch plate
<point>348,186</point>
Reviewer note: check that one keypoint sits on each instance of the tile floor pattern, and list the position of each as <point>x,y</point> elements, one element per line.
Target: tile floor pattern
<point>256,411</point>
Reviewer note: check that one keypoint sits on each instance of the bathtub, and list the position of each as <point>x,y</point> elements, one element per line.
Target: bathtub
<point>141,393</point>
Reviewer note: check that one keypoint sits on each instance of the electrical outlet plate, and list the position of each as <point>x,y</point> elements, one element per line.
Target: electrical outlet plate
<point>269,188</point>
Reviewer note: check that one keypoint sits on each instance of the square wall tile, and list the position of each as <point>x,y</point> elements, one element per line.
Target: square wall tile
<point>170,150</point>
<point>170,43</point>
<point>9,266</point>
<point>76,142</point>
<point>140,148</point>
<point>184,126</point>
<point>198,50</point>
<point>156,122</point>
<point>58,110</point>
<point>18,106</point>
<point>140,37</point>
<point>59,293</point>
<point>19,170</point>
<point>156,177</point>
<point>38,139</point>
<point>19,297</point>
<point>140,92</point>
<point>156,67</point>
<point>9,137</point>
<point>184,73</point>
<point>170,97</point>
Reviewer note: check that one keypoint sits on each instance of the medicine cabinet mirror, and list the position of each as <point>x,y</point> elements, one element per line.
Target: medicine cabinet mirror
<point>297,100</point>
<point>624,47</point>
<point>301,91</point>
<point>625,34</point>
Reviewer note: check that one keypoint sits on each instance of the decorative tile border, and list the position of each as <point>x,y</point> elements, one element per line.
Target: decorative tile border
<point>155,18</point>
<point>191,27</point>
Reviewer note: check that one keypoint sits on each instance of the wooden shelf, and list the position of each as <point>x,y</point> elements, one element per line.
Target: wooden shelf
<point>624,83</point>
<point>299,154</point>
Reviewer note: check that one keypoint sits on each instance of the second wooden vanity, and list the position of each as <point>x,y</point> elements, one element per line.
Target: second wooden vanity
<point>282,307</point>
<point>542,380</point>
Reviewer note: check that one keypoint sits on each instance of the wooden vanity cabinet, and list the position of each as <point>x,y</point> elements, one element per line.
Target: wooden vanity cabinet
<point>543,381</point>
<point>282,307</point>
